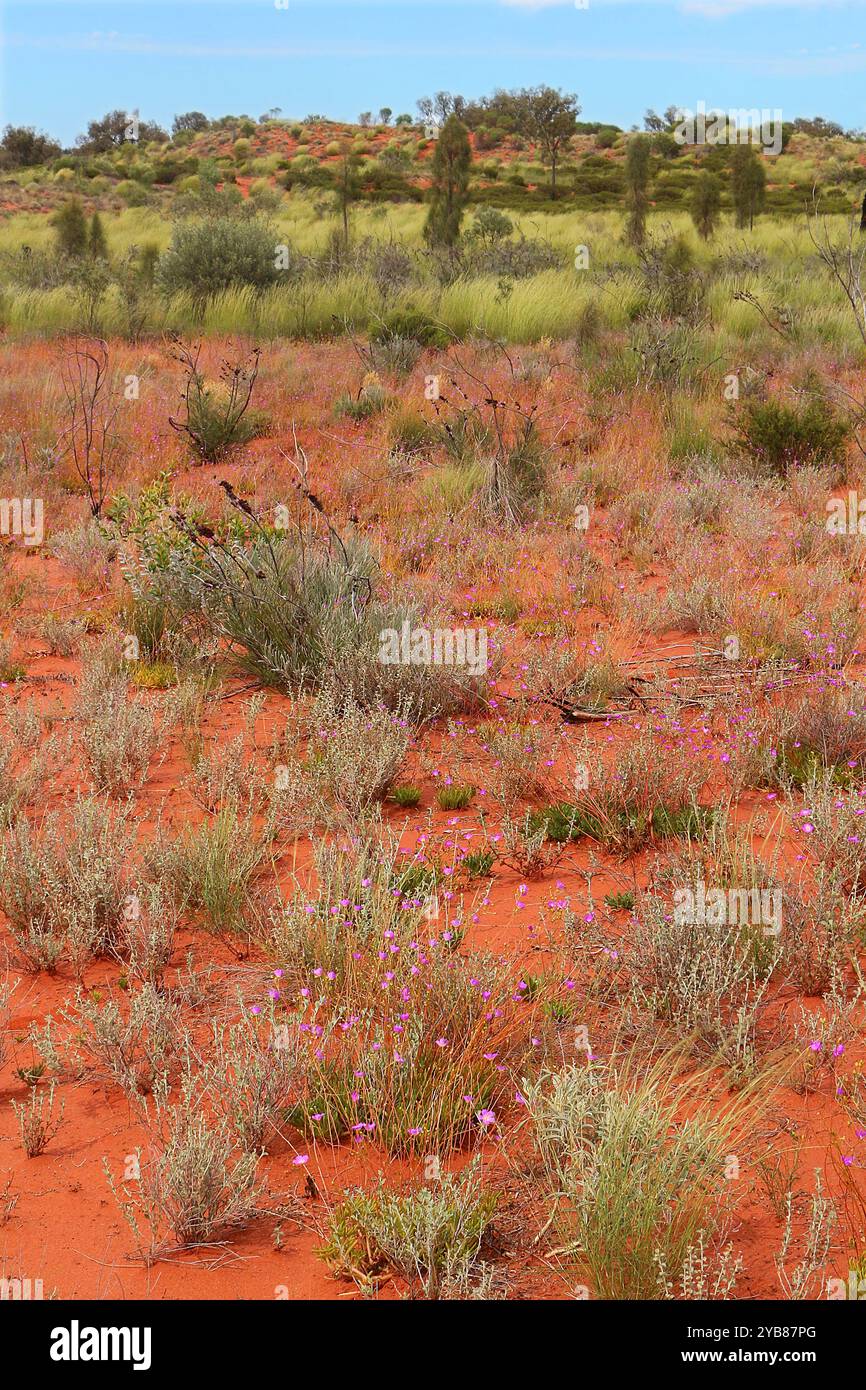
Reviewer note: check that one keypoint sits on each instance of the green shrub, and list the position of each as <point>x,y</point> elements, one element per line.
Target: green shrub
<point>215,428</point>
<point>292,617</point>
<point>70,227</point>
<point>431,1236</point>
<point>132,193</point>
<point>216,253</point>
<point>409,322</point>
<point>217,418</point>
<point>637,1172</point>
<point>782,436</point>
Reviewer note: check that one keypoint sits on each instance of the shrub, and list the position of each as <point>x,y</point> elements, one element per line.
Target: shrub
<point>217,418</point>
<point>354,751</point>
<point>70,226</point>
<point>410,323</point>
<point>192,1184</point>
<point>644,796</point>
<point>781,436</point>
<point>410,432</point>
<point>64,889</point>
<point>511,258</point>
<point>216,253</point>
<point>26,762</point>
<point>517,750</point>
<point>138,1050</point>
<point>62,635</point>
<point>300,612</point>
<point>149,931</point>
<point>370,401</point>
<point>119,736</point>
<point>707,981</point>
<point>432,1236</point>
<point>251,1070</point>
<point>88,553</point>
<point>37,1123</point>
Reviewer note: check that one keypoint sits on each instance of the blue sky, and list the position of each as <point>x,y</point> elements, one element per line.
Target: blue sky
<point>64,62</point>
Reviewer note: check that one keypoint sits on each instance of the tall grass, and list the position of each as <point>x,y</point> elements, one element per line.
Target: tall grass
<point>549,304</point>
<point>636,1160</point>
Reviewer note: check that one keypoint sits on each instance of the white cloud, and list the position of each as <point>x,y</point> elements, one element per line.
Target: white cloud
<point>710,9</point>
<point>803,64</point>
<point>720,9</point>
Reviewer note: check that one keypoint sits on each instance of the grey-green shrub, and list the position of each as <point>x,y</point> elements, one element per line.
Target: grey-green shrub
<point>218,253</point>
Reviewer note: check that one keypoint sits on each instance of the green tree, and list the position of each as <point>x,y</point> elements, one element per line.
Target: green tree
<point>118,128</point>
<point>70,228</point>
<point>348,186</point>
<point>190,120</point>
<point>748,185</point>
<point>706,202</point>
<point>97,246</point>
<point>22,147</point>
<point>450,176</point>
<point>549,117</point>
<point>637,176</point>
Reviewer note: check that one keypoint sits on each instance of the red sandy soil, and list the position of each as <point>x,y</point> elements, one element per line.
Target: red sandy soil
<point>66,1227</point>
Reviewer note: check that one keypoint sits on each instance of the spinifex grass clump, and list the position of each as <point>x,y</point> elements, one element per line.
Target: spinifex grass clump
<point>635,1162</point>
<point>406,795</point>
<point>210,869</point>
<point>454,796</point>
<point>370,400</point>
<point>406,1042</point>
<point>649,793</point>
